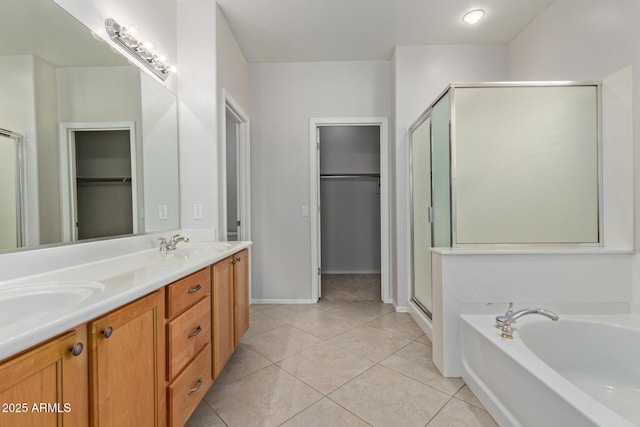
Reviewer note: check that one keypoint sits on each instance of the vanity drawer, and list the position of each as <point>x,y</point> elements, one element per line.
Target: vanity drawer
<point>187,291</point>
<point>187,334</point>
<point>189,388</point>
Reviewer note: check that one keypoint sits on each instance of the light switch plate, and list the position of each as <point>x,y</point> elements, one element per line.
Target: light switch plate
<point>197,211</point>
<point>163,212</point>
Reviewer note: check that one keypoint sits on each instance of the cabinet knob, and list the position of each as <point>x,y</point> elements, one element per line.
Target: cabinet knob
<point>107,332</point>
<point>238,259</point>
<point>76,350</point>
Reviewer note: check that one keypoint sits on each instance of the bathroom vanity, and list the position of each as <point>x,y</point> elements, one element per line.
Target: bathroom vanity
<point>145,348</point>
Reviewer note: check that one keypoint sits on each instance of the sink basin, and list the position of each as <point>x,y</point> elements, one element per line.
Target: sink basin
<point>35,300</point>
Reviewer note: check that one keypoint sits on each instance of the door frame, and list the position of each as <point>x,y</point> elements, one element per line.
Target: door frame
<point>314,179</point>
<point>243,166</point>
<point>68,194</point>
<point>21,186</point>
<point>411,259</point>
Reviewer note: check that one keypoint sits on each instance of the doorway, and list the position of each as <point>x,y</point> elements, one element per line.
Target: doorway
<point>237,189</point>
<point>100,194</point>
<point>349,208</point>
<point>231,142</point>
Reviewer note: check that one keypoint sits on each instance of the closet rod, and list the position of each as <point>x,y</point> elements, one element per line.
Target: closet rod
<point>125,179</point>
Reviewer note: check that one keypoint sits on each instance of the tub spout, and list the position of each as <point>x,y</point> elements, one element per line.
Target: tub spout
<point>504,322</point>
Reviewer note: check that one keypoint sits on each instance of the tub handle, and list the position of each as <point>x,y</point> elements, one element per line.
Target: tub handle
<point>507,331</point>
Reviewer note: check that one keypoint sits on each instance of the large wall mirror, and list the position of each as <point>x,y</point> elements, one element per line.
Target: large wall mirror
<point>97,138</point>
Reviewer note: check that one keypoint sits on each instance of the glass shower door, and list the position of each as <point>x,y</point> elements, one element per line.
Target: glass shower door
<point>420,206</point>
<point>11,190</point>
<point>441,173</point>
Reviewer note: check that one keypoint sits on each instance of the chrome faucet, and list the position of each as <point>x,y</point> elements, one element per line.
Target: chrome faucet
<point>505,321</point>
<point>172,244</point>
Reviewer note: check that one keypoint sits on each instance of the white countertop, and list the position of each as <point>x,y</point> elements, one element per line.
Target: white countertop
<point>122,278</point>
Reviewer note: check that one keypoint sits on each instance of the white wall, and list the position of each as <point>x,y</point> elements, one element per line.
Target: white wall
<point>160,148</point>
<point>421,74</point>
<point>98,94</point>
<point>233,77</point>
<point>48,154</point>
<point>197,112</point>
<point>584,40</point>
<point>283,98</point>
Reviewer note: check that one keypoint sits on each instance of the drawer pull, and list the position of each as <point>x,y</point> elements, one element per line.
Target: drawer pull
<point>194,333</point>
<point>196,388</point>
<point>194,290</point>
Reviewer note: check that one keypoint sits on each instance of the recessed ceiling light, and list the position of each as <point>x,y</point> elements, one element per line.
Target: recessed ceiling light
<point>473,16</point>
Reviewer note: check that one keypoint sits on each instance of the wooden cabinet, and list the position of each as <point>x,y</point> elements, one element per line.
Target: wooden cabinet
<point>187,291</point>
<point>230,306</point>
<point>128,365</point>
<point>134,366</point>
<point>48,385</point>
<point>187,390</point>
<point>241,294</point>
<point>222,311</point>
<point>188,344</point>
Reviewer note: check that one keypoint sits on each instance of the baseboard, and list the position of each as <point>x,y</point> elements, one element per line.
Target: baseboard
<point>283,301</point>
<point>400,308</point>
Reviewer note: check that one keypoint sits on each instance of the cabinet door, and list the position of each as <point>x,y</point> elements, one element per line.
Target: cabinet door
<point>241,297</point>
<point>127,365</point>
<point>47,386</point>
<point>222,313</point>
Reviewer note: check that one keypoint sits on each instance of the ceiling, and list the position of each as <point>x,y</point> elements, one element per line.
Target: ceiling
<point>338,30</point>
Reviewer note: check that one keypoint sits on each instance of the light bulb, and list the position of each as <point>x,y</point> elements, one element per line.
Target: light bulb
<point>473,16</point>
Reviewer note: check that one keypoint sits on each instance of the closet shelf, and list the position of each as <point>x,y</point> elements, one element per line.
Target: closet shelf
<point>124,179</point>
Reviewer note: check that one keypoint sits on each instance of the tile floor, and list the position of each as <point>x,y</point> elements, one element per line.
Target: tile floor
<point>350,287</point>
<point>336,363</point>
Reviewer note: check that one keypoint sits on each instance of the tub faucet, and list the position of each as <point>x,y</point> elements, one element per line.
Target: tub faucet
<point>172,244</point>
<point>505,321</point>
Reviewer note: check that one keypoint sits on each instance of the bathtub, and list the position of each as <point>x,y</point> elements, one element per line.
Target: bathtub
<point>583,370</point>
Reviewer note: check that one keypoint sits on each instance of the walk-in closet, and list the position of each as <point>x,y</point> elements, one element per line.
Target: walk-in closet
<point>350,212</point>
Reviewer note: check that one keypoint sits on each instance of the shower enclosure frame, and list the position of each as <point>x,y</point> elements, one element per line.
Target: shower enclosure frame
<point>453,169</point>
<point>21,185</point>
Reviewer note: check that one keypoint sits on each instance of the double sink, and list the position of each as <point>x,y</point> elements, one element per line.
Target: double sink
<point>87,287</point>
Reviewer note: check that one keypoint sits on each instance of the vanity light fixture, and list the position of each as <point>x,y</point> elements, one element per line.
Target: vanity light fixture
<point>143,51</point>
<point>473,16</point>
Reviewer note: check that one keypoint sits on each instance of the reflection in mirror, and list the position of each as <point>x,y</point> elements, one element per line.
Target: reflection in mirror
<point>100,136</point>
<point>11,189</point>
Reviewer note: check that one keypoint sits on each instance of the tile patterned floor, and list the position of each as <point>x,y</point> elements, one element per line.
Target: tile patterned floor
<point>337,363</point>
<point>350,287</point>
